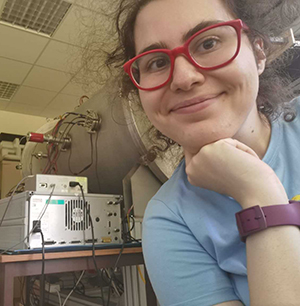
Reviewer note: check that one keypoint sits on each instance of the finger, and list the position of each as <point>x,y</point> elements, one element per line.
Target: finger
<point>241,146</point>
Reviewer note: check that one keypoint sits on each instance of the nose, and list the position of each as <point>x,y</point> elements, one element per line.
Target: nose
<point>185,75</point>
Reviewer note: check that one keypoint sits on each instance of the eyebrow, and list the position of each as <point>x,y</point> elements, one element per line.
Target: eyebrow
<point>159,45</point>
<point>200,26</point>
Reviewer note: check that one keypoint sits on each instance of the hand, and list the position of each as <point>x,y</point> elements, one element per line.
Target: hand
<point>230,167</point>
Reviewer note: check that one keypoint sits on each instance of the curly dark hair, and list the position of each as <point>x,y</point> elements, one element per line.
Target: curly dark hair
<point>265,19</point>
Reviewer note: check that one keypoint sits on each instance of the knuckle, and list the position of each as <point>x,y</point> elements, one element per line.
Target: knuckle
<point>206,149</point>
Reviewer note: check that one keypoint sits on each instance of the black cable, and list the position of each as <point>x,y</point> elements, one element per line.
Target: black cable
<point>113,275</point>
<point>73,113</point>
<point>96,165</point>
<point>42,278</point>
<point>127,235</point>
<point>86,167</point>
<point>80,283</point>
<point>93,243</point>
<point>54,147</point>
<point>65,132</point>
<point>93,251</point>
<point>92,156</point>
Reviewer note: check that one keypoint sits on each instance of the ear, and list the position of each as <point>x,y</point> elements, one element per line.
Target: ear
<point>260,55</point>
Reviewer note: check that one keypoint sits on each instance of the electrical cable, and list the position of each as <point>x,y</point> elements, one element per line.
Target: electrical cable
<point>93,242</point>
<point>78,281</point>
<point>141,275</point>
<point>96,164</point>
<point>129,232</point>
<point>79,290</point>
<point>115,266</point>
<point>59,297</point>
<point>30,164</point>
<point>73,113</point>
<point>127,235</point>
<point>86,167</point>
<point>18,190</point>
<point>37,223</point>
<point>48,167</point>
<point>51,146</point>
<point>23,179</point>
<point>42,278</point>
<point>113,282</point>
<point>20,139</point>
<point>93,251</point>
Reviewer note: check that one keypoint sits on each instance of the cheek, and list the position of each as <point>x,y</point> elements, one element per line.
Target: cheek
<point>150,102</point>
<point>144,98</point>
<point>243,76</point>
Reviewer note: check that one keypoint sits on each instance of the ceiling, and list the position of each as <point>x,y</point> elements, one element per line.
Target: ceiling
<point>42,68</point>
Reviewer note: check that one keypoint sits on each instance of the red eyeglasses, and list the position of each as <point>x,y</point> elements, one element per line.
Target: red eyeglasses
<point>211,48</point>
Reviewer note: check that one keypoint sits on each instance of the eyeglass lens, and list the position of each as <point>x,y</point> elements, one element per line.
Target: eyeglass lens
<point>208,49</point>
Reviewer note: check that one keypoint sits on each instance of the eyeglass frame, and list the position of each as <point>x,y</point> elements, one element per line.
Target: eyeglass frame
<point>237,24</point>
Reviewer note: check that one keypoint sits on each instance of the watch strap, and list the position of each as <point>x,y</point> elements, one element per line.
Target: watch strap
<point>256,218</point>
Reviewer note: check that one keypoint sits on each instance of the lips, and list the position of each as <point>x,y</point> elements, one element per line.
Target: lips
<point>194,101</point>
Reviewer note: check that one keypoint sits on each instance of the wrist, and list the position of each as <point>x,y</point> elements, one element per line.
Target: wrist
<point>256,218</point>
<point>272,194</point>
<point>263,202</point>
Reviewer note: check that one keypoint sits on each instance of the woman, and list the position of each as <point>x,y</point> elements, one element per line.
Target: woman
<point>205,96</point>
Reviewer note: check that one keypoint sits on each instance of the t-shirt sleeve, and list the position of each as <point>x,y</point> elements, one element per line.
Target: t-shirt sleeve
<point>180,270</point>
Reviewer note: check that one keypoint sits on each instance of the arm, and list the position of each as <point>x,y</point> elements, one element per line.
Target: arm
<point>273,255</point>
<point>273,260</point>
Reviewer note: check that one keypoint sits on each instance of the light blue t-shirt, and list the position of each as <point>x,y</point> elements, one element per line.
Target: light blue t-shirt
<point>191,244</point>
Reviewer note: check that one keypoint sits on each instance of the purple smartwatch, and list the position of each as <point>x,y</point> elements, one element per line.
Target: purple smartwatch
<point>256,218</point>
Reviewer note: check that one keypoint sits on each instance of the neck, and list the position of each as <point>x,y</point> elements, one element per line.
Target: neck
<point>256,134</point>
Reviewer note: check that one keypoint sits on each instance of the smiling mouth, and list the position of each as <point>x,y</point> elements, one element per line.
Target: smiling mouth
<point>201,102</point>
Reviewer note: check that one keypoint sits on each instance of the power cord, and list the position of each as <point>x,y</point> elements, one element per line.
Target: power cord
<point>73,184</point>
<point>78,281</point>
<point>36,224</point>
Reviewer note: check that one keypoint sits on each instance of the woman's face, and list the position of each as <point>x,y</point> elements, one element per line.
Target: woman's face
<point>222,102</point>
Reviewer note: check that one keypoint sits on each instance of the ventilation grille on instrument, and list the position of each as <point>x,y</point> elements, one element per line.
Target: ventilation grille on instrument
<point>7,90</point>
<point>42,16</point>
<point>76,216</point>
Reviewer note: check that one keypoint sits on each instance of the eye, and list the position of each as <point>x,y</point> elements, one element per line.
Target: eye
<point>158,63</point>
<point>209,44</point>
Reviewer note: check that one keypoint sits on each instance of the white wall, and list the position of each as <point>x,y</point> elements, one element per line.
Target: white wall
<point>15,123</point>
